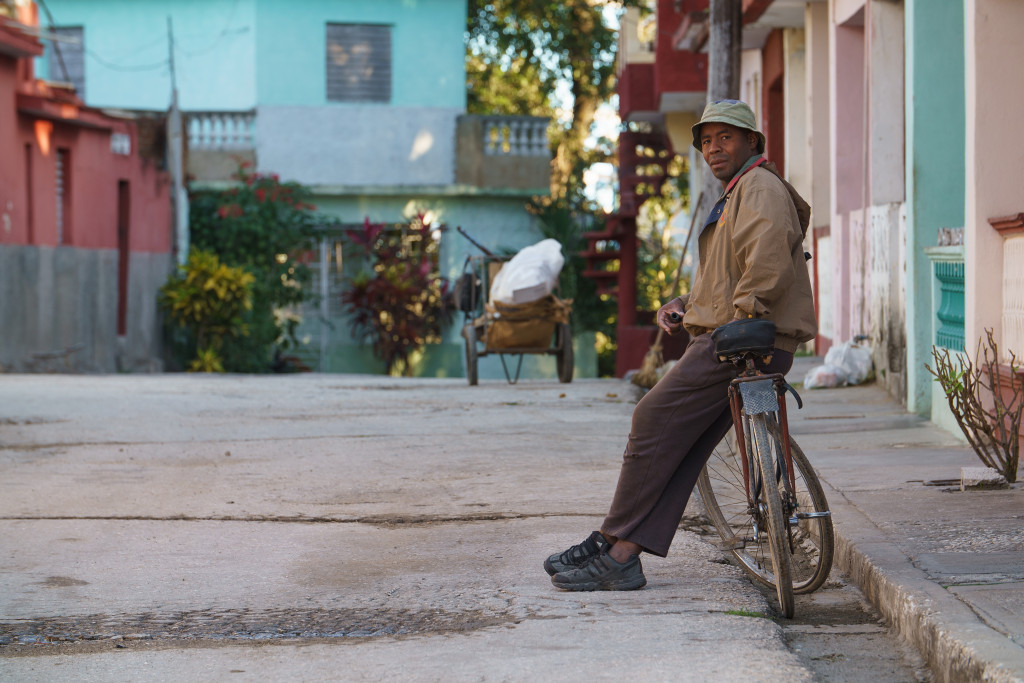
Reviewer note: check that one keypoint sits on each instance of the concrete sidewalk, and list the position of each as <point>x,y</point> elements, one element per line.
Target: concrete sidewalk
<point>945,567</point>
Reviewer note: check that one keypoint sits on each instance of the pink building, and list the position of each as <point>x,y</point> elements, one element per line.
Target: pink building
<point>85,228</point>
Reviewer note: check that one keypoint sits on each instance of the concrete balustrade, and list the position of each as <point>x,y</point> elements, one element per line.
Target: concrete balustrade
<point>515,135</point>
<point>509,152</point>
<point>221,130</point>
<point>218,141</point>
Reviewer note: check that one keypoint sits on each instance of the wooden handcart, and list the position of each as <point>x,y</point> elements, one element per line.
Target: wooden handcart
<point>494,328</point>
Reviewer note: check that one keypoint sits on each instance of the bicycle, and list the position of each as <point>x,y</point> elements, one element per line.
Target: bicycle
<point>758,487</point>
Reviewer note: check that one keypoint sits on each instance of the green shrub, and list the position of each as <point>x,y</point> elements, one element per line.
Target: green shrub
<point>208,300</point>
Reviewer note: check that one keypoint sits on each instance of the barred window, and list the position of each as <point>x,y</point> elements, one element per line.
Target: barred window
<point>358,63</point>
<point>67,58</point>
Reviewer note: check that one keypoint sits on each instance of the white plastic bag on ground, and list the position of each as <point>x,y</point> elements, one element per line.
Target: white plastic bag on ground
<point>853,358</point>
<point>824,377</point>
<point>846,363</point>
<point>530,274</point>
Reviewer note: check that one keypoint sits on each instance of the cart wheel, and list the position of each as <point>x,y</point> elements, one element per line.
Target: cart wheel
<point>469,333</point>
<point>564,356</point>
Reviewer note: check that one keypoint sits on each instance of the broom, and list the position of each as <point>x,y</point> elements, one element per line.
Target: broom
<point>647,376</point>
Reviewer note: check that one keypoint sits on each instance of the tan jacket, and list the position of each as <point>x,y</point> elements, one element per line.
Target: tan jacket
<point>752,262</point>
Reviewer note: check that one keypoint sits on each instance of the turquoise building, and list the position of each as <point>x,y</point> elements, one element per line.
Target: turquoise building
<point>362,101</point>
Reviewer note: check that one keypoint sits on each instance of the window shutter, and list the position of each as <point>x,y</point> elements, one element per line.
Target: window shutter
<point>358,63</point>
<point>72,54</point>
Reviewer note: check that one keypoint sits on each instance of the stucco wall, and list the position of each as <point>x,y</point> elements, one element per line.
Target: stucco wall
<point>128,55</point>
<point>797,134</point>
<point>817,111</point>
<point>12,164</point>
<point>994,164</point>
<point>427,42</point>
<point>934,171</point>
<point>235,54</point>
<point>358,145</point>
<point>59,307</point>
<point>885,178</point>
<point>868,220</point>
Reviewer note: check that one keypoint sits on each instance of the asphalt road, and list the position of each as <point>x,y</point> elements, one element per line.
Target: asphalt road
<point>312,527</point>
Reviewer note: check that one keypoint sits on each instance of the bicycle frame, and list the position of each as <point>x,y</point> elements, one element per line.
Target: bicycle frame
<point>736,406</point>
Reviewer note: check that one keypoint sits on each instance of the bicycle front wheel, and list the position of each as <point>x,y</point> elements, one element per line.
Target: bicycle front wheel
<point>813,541</point>
<point>769,505</point>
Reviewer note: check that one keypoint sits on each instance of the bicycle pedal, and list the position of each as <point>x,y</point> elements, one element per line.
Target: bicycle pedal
<point>734,543</point>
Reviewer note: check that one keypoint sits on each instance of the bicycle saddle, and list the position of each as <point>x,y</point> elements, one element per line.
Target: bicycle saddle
<point>754,335</point>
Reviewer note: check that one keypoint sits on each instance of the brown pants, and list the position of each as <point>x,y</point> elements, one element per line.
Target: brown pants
<point>676,426</point>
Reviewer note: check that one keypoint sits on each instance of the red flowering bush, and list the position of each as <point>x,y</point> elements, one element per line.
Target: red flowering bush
<point>264,226</point>
<point>398,302</point>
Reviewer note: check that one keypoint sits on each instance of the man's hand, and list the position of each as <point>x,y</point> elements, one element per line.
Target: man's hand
<point>670,316</point>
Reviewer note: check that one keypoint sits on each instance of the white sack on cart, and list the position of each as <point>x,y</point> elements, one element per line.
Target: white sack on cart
<point>530,274</point>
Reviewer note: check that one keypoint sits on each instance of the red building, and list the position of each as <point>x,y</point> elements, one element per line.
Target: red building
<point>85,223</point>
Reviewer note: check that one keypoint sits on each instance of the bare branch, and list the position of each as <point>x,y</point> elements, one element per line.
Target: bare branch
<point>993,434</point>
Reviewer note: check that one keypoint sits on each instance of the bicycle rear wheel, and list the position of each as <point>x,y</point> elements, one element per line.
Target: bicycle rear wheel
<point>813,541</point>
<point>769,505</point>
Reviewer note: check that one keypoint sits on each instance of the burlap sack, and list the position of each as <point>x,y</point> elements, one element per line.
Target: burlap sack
<point>529,325</point>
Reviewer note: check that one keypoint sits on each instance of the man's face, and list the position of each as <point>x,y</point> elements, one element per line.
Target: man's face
<point>726,148</point>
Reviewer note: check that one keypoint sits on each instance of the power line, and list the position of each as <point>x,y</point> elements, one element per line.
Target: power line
<point>119,67</point>
<point>163,63</point>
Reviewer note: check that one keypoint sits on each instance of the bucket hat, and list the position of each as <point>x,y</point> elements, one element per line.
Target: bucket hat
<point>734,113</point>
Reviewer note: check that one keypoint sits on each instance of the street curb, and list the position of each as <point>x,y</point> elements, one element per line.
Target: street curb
<point>956,644</point>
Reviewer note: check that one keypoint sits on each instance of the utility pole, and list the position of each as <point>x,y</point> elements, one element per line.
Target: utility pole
<point>725,40</point>
<point>175,163</point>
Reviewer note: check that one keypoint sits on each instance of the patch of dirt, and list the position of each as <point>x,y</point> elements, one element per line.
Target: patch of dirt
<point>38,636</point>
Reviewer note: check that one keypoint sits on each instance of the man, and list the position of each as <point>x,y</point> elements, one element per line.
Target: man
<point>752,265</point>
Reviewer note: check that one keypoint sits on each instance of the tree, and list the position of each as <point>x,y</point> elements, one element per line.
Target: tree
<point>521,51</point>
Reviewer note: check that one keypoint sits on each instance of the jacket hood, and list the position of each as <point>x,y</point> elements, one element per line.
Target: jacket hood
<point>803,209</point>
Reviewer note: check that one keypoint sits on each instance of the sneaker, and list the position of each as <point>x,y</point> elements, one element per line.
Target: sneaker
<point>576,555</point>
<point>603,573</point>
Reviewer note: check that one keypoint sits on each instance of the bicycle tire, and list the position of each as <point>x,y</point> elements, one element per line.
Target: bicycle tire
<point>813,540</point>
<point>772,519</point>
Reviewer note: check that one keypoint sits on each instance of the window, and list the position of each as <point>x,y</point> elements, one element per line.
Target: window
<point>67,58</point>
<point>358,63</point>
